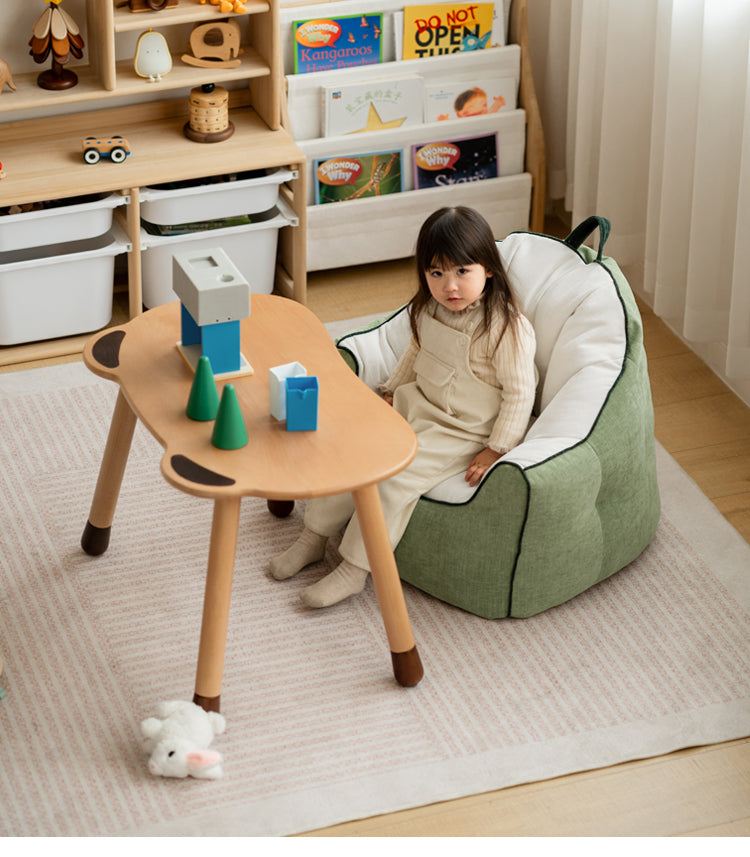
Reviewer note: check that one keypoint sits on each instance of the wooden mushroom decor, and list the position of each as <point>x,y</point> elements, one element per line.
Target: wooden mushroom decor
<point>57,33</point>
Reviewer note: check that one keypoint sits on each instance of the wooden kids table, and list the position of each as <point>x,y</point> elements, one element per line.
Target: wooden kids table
<point>359,442</point>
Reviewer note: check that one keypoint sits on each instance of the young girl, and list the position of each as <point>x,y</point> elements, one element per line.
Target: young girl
<point>465,383</point>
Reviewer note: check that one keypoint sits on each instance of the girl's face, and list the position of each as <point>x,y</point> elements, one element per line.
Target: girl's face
<point>456,287</point>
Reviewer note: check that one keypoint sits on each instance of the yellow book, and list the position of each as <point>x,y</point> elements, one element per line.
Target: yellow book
<point>446,28</point>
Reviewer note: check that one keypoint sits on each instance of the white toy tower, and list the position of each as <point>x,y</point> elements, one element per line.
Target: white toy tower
<point>215,297</point>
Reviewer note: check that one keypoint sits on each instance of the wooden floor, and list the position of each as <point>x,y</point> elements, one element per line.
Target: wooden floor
<point>698,792</point>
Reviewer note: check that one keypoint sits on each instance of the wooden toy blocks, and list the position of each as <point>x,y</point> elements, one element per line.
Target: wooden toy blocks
<point>302,404</point>
<point>278,376</point>
<point>294,396</point>
<point>214,297</point>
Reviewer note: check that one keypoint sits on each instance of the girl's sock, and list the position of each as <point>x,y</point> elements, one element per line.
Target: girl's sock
<point>309,547</point>
<point>345,580</point>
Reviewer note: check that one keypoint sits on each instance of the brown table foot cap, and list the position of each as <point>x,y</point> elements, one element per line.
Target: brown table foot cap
<point>407,667</point>
<point>281,508</point>
<point>207,703</point>
<point>95,540</point>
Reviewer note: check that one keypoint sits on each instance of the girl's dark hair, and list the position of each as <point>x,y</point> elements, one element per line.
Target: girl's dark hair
<point>454,236</point>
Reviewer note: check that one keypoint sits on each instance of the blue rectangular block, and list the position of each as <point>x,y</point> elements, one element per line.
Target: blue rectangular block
<point>221,344</point>
<point>191,333</point>
<point>302,403</point>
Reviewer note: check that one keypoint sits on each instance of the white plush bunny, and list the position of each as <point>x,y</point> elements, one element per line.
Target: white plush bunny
<point>177,740</point>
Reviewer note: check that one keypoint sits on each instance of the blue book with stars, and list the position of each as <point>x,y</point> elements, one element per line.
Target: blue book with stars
<point>455,161</point>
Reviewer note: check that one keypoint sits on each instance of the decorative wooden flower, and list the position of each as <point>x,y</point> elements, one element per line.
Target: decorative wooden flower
<point>55,32</point>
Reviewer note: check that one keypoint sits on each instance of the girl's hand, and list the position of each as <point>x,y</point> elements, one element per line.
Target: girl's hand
<point>480,465</point>
<point>388,398</point>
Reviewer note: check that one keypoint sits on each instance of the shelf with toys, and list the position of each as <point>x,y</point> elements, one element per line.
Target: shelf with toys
<point>107,70</point>
<point>123,19</point>
<point>42,133</point>
<point>244,49</point>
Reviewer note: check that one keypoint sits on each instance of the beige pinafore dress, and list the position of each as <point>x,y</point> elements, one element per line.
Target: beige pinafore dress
<point>452,413</point>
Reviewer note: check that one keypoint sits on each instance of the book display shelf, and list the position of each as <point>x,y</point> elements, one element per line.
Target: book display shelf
<point>370,216</point>
<point>41,133</point>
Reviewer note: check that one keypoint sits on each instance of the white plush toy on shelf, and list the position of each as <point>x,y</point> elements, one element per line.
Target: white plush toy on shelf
<point>152,56</point>
<point>178,738</point>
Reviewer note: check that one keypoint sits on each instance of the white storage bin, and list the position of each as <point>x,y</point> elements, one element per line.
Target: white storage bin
<point>171,206</point>
<point>336,237</point>
<point>76,221</point>
<point>57,290</point>
<point>251,247</point>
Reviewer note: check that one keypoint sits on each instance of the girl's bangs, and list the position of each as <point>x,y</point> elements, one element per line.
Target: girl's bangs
<point>445,251</point>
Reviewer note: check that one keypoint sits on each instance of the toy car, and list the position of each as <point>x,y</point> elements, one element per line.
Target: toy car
<point>116,148</point>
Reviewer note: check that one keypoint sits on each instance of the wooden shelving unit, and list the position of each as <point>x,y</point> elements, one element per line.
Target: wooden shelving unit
<point>42,156</point>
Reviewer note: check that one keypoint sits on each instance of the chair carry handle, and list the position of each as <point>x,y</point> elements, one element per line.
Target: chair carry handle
<point>585,228</point>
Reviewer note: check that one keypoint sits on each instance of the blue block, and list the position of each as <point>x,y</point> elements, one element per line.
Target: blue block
<point>302,403</point>
<point>191,333</point>
<point>221,344</point>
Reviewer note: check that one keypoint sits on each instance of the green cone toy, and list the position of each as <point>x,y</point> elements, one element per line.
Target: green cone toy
<point>229,429</point>
<point>203,403</point>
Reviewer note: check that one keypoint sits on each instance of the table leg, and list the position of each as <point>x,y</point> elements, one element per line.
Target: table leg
<point>216,603</point>
<point>95,538</point>
<point>280,508</point>
<point>407,666</point>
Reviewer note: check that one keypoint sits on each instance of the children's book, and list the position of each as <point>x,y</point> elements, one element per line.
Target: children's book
<point>376,105</point>
<point>448,162</point>
<point>460,100</point>
<point>446,28</point>
<point>347,177</point>
<point>322,44</point>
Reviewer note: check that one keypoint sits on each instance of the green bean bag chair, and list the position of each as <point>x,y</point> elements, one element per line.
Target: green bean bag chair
<point>578,499</point>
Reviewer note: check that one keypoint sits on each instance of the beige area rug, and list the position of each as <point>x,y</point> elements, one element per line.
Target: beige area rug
<point>654,659</point>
